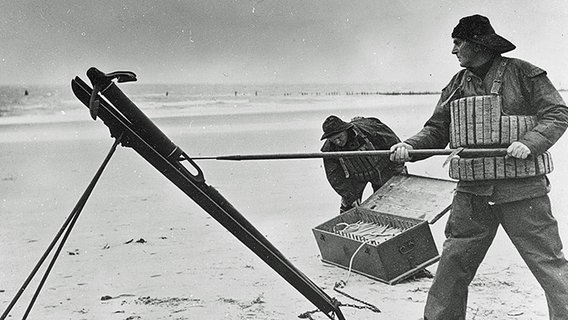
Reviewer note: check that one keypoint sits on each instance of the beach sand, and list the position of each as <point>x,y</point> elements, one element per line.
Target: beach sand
<point>141,249</point>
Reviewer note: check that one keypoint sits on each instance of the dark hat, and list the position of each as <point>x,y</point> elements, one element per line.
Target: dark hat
<point>477,29</point>
<point>333,125</point>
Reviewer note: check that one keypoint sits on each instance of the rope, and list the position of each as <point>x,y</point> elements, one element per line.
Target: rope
<point>343,283</point>
<point>367,231</point>
<point>351,264</point>
<point>366,305</point>
<point>66,227</point>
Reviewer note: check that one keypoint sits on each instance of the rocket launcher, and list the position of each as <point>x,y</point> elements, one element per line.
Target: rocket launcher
<point>124,119</point>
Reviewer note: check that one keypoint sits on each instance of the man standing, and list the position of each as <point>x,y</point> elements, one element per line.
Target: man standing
<point>348,176</point>
<point>495,102</point>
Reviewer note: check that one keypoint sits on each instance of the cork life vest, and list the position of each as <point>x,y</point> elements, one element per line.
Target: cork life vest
<point>362,168</point>
<point>479,122</point>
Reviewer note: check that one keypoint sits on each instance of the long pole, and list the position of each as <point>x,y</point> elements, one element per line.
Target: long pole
<point>344,154</point>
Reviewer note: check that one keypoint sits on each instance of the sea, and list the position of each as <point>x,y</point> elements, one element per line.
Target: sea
<point>47,103</point>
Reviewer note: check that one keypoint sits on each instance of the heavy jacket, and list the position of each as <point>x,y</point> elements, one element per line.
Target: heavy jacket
<point>381,137</point>
<point>525,90</point>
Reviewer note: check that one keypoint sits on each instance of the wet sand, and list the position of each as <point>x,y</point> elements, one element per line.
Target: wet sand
<point>143,250</point>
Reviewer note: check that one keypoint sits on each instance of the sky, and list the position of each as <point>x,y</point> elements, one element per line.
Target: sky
<point>266,41</point>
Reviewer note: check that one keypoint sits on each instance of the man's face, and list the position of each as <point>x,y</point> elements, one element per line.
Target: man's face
<point>466,52</point>
<point>339,139</point>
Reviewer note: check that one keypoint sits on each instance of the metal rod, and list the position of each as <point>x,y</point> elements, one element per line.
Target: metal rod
<point>75,213</point>
<point>66,227</point>
<point>344,154</point>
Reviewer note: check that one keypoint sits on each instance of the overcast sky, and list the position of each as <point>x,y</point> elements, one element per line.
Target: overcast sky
<point>266,41</point>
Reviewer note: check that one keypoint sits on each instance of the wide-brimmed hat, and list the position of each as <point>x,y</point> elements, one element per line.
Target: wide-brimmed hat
<point>333,125</point>
<point>477,29</point>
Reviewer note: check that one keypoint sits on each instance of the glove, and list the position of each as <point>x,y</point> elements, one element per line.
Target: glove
<point>347,206</point>
<point>344,208</point>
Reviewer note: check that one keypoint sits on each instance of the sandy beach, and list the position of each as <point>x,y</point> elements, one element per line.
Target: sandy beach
<point>143,250</point>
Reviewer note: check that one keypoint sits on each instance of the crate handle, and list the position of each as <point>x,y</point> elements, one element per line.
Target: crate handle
<point>407,247</point>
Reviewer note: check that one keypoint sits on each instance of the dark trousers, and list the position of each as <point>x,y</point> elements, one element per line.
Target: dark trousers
<point>470,230</point>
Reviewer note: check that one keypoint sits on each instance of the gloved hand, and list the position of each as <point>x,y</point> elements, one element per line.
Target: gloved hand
<point>343,208</point>
<point>345,205</point>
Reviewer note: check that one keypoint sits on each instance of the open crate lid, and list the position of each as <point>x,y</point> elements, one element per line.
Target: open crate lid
<point>413,196</point>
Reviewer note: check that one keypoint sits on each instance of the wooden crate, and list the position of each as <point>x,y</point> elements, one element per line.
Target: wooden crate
<point>405,205</point>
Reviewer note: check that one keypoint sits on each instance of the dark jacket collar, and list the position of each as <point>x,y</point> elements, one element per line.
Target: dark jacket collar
<point>482,70</point>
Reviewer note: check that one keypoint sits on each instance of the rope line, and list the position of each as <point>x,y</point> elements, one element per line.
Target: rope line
<point>343,283</point>
<point>366,305</point>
